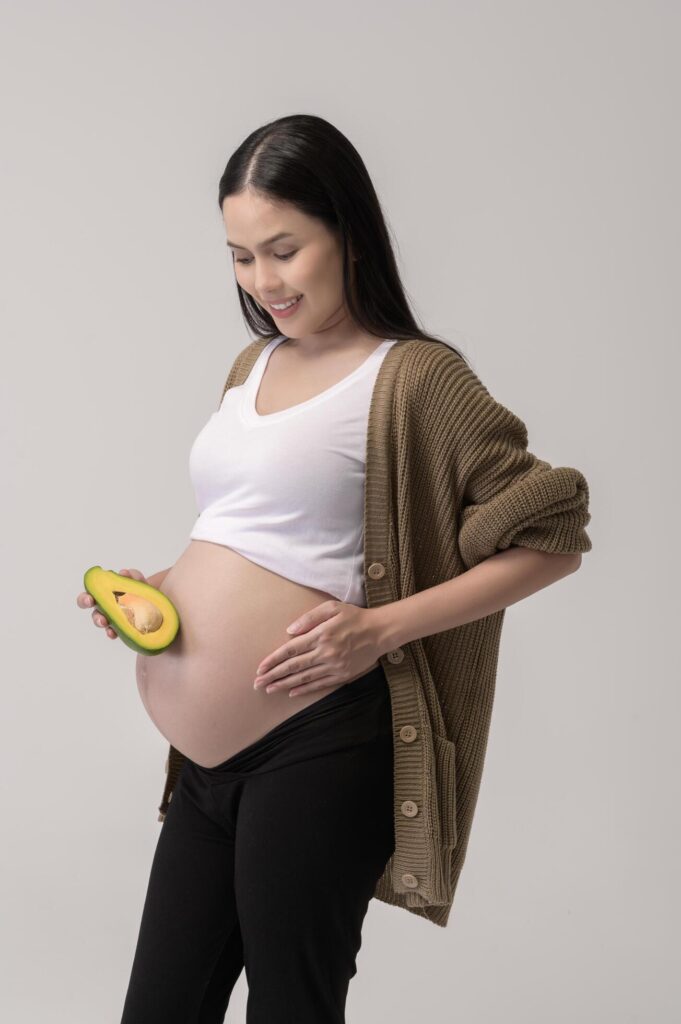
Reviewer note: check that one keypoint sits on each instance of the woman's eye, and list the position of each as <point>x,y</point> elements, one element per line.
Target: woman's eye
<point>284,256</point>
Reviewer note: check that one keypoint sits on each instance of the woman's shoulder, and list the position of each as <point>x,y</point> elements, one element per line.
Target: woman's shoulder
<point>434,368</point>
<point>439,386</point>
<point>253,349</point>
<point>244,360</point>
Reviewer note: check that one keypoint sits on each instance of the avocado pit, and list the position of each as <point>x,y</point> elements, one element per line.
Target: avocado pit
<point>142,615</point>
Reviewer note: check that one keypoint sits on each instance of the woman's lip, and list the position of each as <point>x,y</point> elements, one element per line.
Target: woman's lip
<point>289,311</point>
<point>278,302</point>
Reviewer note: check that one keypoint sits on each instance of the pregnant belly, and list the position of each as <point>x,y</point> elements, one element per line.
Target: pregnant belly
<point>233,613</point>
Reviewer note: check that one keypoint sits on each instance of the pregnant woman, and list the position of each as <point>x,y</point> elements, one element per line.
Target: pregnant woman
<point>300,755</point>
<point>281,792</point>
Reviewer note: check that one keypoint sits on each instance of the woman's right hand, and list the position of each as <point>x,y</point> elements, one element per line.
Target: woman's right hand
<point>86,600</point>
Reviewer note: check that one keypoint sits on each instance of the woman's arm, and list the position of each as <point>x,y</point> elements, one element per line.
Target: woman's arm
<point>497,582</point>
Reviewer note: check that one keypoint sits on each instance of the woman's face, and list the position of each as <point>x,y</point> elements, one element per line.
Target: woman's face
<point>307,262</point>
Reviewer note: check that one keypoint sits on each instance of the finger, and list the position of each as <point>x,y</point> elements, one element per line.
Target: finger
<point>99,619</point>
<point>324,683</point>
<point>302,677</point>
<point>286,657</point>
<point>134,573</point>
<point>281,670</point>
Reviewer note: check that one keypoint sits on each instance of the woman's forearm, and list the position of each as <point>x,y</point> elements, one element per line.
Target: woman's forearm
<point>499,581</point>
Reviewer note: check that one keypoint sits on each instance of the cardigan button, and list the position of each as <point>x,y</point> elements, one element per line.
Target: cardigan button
<point>376,571</point>
<point>408,733</point>
<point>410,881</point>
<point>395,656</point>
<point>409,809</point>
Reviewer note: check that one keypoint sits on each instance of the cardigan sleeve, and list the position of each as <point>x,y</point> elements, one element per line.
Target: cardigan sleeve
<point>508,495</point>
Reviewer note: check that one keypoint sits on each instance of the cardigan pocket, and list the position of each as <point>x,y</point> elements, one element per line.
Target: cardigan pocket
<point>445,769</point>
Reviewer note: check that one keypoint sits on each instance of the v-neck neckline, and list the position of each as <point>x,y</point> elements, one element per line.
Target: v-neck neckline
<point>248,405</point>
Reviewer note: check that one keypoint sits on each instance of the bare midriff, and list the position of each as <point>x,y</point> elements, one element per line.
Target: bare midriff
<point>233,613</point>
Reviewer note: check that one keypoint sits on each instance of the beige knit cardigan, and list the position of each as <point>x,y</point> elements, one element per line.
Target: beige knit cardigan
<point>449,482</point>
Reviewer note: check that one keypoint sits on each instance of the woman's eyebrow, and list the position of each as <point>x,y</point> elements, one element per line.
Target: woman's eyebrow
<point>268,241</point>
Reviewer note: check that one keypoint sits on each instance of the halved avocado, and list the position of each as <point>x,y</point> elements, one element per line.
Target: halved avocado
<point>142,616</point>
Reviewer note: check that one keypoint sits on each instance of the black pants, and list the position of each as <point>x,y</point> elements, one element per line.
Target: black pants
<point>268,861</point>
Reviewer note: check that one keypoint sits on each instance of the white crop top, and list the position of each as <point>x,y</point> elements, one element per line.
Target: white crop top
<point>286,489</point>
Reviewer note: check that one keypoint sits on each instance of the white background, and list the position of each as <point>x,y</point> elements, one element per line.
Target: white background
<point>527,157</point>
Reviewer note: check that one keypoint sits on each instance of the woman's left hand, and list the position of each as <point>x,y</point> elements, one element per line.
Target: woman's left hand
<point>334,643</point>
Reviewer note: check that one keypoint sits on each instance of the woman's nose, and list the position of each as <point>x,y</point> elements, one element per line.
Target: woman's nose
<point>269,286</point>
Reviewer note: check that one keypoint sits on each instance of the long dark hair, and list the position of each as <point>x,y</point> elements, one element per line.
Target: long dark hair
<point>303,160</point>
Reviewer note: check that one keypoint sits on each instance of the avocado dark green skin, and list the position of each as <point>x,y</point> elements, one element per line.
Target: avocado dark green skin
<point>96,579</point>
